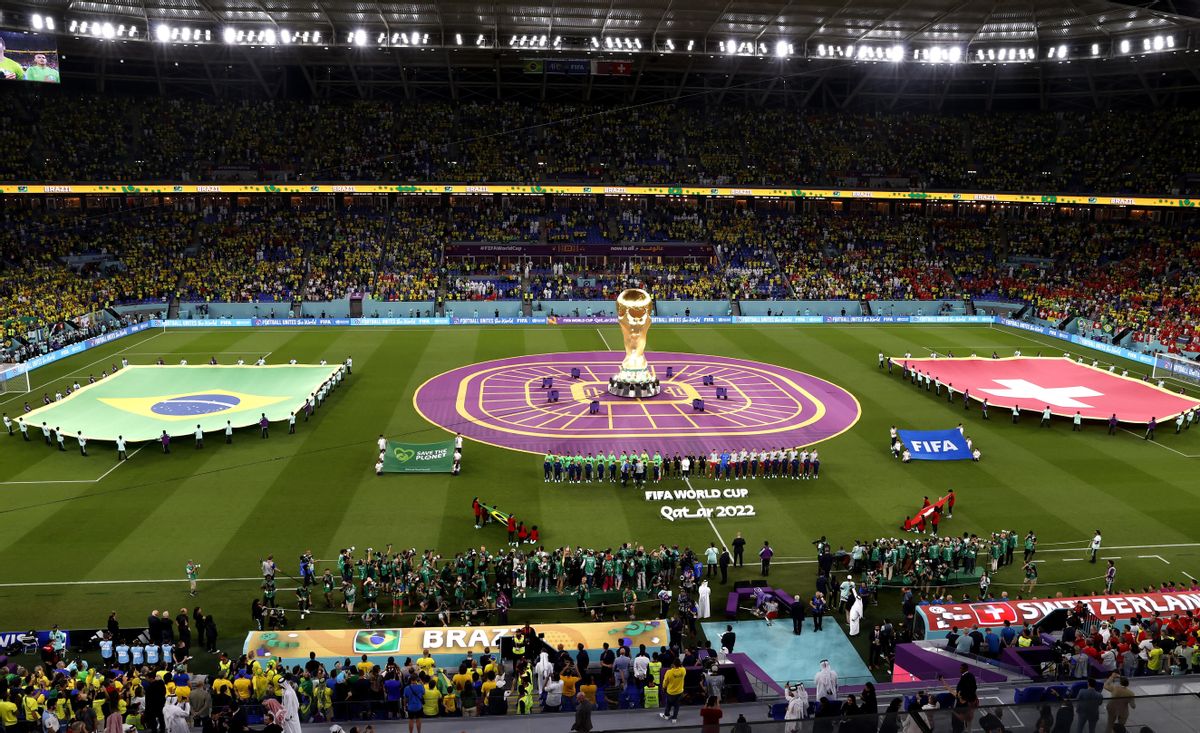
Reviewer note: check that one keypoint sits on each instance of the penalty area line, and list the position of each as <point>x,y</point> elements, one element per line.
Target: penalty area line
<point>81,480</point>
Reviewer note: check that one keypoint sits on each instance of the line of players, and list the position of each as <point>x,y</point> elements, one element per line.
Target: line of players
<point>793,463</point>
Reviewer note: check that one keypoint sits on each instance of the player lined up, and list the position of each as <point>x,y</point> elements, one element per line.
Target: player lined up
<point>56,436</point>
<point>789,463</point>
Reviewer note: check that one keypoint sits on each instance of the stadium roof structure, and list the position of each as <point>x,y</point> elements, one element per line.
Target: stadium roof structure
<point>879,53</point>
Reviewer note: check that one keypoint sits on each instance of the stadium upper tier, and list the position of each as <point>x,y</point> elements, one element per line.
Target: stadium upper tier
<point>1111,275</point>
<point>156,139</point>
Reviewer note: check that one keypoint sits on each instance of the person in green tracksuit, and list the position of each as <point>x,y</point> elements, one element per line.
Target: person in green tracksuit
<point>40,70</point>
<point>9,69</point>
<point>547,466</point>
<point>657,467</point>
<point>612,468</point>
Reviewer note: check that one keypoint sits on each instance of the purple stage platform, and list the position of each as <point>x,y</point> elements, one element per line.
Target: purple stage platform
<point>504,403</point>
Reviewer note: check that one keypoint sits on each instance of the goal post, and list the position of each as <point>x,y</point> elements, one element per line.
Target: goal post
<point>14,378</point>
<point>1176,368</point>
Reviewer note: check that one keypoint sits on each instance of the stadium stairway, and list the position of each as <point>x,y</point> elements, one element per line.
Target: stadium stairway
<point>866,307</point>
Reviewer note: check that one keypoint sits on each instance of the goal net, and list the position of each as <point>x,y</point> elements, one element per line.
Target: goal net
<point>13,378</point>
<point>1176,368</point>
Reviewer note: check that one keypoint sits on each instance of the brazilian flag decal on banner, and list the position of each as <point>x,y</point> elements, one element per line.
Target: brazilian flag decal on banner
<point>377,641</point>
<point>418,457</point>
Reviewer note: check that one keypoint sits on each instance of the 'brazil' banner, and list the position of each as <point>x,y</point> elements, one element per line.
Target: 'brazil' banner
<point>936,445</point>
<point>419,457</point>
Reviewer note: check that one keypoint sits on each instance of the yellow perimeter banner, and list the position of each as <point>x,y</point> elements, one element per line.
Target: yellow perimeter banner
<point>535,189</point>
<point>453,641</point>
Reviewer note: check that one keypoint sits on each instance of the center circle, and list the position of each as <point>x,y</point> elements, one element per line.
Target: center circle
<point>504,403</point>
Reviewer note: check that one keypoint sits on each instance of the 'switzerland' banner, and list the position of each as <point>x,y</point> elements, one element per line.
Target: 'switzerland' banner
<point>418,457</point>
<point>939,618</point>
<point>447,644</point>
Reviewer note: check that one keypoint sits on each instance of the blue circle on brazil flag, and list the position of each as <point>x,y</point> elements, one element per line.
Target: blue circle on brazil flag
<point>195,404</point>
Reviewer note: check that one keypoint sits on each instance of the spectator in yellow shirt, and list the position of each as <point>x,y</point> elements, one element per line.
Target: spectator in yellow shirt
<point>425,663</point>
<point>569,678</point>
<point>673,689</point>
<point>588,688</point>
<point>432,699</point>
<point>365,666</point>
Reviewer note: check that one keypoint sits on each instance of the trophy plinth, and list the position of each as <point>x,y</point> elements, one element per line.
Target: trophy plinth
<point>636,378</point>
<point>634,383</point>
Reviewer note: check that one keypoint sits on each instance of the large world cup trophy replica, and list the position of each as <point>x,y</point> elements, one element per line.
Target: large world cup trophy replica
<point>636,378</point>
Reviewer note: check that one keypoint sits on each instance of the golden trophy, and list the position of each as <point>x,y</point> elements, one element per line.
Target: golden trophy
<point>636,378</point>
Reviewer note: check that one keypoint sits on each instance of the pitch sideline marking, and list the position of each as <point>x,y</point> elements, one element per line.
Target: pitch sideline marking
<point>606,346</point>
<point>709,517</point>
<point>121,463</point>
<point>81,480</point>
<point>1160,445</point>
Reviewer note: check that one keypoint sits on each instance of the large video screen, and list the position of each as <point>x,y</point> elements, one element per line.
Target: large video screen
<point>28,57</point>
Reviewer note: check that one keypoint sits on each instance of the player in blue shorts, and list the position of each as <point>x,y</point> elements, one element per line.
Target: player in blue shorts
<point>587,467</point>
<point>558,469</point>
<point>547,466</point>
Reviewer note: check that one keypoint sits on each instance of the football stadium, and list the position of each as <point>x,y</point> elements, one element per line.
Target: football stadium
<point>720,366</point>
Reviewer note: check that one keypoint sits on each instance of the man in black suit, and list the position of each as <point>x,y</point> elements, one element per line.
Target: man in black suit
<point>739,549</point>
<point>153,627</point>
<point>156,699</point>
<point>728,639</point>
<point>582,659</point>
<point>797,616</point>
<point>723,564</point>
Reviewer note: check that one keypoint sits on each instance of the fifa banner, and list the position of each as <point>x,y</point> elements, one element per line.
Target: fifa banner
<point>939,618</point>
<point>448,645</point>
<point>419,457</point>
<point>935,445</point>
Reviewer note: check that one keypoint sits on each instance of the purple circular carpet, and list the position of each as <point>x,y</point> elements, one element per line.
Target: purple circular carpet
<point>503,403</point>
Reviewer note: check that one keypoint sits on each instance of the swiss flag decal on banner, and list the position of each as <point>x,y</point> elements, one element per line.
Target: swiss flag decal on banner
<point>612,68</point>
<point>1064,386</point>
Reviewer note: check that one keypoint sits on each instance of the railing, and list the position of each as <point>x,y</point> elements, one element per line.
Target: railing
<point>1178,711</point>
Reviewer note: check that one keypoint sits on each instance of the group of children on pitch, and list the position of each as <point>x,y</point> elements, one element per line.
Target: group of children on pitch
<point>640,467</point>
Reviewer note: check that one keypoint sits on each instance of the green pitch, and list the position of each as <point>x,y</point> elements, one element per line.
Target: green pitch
<point>85,536</point>
<point>141,402</point>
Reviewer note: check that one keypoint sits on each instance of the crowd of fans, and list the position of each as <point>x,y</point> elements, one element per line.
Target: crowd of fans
<point>1108,275</point>
<point>171,139</point>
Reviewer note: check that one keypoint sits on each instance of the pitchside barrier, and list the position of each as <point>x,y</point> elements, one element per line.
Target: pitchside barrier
<point>82,346</point>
